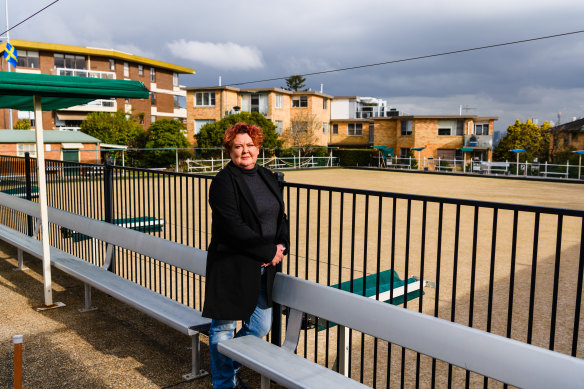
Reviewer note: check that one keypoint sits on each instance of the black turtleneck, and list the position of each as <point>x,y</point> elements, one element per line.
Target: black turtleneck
<point>266,202</point>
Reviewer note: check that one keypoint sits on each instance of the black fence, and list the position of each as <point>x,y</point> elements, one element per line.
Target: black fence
<point>513,270</point>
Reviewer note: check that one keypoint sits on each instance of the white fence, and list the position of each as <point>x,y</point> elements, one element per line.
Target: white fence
<point>526,169</point>
<point>214,165</point>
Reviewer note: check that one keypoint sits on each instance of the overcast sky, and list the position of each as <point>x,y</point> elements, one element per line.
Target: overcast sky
<point>254,40</point>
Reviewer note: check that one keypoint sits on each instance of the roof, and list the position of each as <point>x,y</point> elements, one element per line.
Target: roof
<point>110,53</point>
<point>444,117</point>
<point>575,126</point>
<point>50,136</point>
<point>56,92</point>
<point>255,90</point>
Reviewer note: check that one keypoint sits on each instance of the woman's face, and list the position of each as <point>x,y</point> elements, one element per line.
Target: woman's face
<point>244,153</point>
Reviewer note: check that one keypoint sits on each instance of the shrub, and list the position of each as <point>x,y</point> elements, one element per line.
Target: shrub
<point>353,157</point>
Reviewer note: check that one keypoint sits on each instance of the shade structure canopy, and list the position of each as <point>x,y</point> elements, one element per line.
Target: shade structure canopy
<point>466,149</point>
<point>581,152</point>
<point>517,150</point>
<point>386,151</point>
<point>44,92</point>
<point>57,92</point>
<point>419,148</point>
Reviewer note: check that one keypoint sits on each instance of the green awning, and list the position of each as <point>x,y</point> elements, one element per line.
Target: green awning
<point>420,148</point>
<point>466,149</point>
<point>17,89</point>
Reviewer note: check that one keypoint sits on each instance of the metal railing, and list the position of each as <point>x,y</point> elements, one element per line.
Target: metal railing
<point>513,270</point>
<point>84,73</point>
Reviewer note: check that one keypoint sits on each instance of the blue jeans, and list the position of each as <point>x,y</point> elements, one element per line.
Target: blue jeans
<point>223,368</point>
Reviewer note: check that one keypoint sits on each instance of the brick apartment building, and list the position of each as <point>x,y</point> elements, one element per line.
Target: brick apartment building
<point>347,121</point>
<point>444,137</point>
<point>161,78</point>
<point>286,109</point>
<point>567,137</point>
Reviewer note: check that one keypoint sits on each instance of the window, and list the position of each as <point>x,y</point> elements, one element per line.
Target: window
<point>574,136</point>
<point>324,126</point>
<point>140,70</point>
<point>404,152</point>
<point>112,64</point>
<point>279,127</point>
<point>300,102</point>
<point>152,118</point>
<point>25,148</point>
<point>323,103</point>
<point>175,79</point>
<point>69,61</point>
<point>126,69</point>
<point>205,99</point>
<point>26,115</point>
<point>257,103</point>
<point>566,139</point>
<point>406,127</point>
<point>201,122</point>
<point>177,102</point>
<point>460,127</point>
<point>447,127</point>
<point>482,129</point>
<point>355,129</point>
<point>152,75</point>
<point>152,98</point>
<point>279,101</point>
<point>28,59</point>
<point>335,129</point>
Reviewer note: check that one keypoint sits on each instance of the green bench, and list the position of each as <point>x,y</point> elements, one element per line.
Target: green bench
<point>141,224</point>
<point>20,191</point>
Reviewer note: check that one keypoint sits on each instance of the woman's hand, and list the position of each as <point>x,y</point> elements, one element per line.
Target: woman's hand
<point>278,257</point>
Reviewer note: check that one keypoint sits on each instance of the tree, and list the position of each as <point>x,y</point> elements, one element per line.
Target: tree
<point>114,128</point>
<point>529,136</point>
<point>165,134</point>
<point>303,131</point>
<point>295,83</point>
<point>211,134</point>
<point>22,124</point>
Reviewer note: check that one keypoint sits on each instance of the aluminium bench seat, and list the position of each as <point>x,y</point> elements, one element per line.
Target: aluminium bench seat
<point>170,312</point>
<point>507,360</point>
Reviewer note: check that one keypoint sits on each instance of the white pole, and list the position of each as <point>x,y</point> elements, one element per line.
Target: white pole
<point>176,158</point>
<point>567,169</point>
<point>579,165</point>
<point>38,113</point>
<point>517,167</point>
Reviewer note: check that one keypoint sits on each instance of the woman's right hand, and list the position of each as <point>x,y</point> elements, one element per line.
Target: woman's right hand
<point>277,257</point>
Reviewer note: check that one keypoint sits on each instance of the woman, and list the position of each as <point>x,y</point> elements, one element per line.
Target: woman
<point>249,237</point>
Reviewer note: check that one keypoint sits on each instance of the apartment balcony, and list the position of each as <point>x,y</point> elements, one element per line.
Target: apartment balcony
<point>479,141</point>
<point>372,114</point>
<point>99,105</point>
<point>83,73</point>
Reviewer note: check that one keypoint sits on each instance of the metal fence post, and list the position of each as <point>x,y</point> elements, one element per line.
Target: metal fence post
<point>28,180</point>
<point>108,196</point>
<point>276,336</point>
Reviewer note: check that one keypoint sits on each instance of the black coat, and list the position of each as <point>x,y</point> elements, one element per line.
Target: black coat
<point>237,249</point>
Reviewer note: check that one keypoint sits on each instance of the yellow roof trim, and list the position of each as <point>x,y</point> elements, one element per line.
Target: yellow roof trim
<point>29,45</point>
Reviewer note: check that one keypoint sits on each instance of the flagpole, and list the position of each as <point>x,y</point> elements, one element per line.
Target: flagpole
<point>7,64</point>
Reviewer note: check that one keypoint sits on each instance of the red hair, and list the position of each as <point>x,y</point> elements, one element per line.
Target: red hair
<point>254,132</point>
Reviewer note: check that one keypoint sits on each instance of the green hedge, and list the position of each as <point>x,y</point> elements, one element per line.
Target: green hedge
<point>353,157</point>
